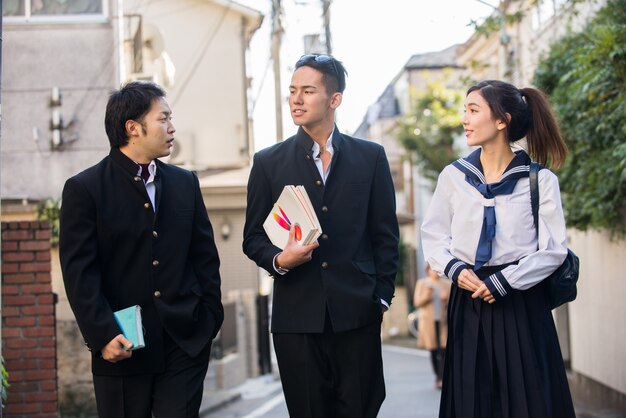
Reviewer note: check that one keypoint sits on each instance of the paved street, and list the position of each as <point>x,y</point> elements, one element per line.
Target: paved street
<point>410,390</point>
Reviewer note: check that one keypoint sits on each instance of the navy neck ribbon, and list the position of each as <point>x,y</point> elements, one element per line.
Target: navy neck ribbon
<point>473,170</point>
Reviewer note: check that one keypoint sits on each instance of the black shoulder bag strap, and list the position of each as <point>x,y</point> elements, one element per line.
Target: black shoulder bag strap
<point>561,283</point>
<point>533,174</point>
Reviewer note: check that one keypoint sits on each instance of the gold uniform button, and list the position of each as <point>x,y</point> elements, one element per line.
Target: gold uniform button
<point>324,209</point>
<point>146,205</point>
<point>155,263</point>
<point>324,237</point>
<point>157,294</point>
<point>155,234</point>
<point>324,265</point>
<point>318,183</point>
<point>137,178</point>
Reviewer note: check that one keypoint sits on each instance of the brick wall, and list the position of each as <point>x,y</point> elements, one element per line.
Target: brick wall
<point>28,320</point>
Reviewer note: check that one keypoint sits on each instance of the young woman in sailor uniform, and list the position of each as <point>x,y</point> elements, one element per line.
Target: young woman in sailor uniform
<point>503,358</point>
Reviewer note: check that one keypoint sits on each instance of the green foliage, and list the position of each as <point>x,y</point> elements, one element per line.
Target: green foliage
<point>428,132</point>
<point>494,22</point>
<point>585,75</point>
<point>50,210</point>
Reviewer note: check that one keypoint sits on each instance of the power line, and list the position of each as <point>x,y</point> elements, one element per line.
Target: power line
<point>195,65</point>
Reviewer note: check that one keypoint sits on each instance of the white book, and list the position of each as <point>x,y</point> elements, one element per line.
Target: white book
<point>302,190</point>
<point>301,195</point>
<point>293,208</point>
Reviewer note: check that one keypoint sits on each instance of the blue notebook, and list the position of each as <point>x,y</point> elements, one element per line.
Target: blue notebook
<point>129,320</point>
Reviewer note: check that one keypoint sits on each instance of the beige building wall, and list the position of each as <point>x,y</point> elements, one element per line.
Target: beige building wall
<point>537,31</point>
<point>206,41</point>
<point>481,57</point>
<point>225,198</point>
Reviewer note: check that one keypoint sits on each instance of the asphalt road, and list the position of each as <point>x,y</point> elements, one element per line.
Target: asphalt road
<point>409,380</point>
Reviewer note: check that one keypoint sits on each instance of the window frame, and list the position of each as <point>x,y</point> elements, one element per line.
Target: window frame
<point>28,18</point>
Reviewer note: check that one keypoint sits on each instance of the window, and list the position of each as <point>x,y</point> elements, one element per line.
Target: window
<point>51,9</point>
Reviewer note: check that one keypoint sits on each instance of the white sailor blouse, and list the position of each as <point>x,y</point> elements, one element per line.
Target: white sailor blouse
<point>470,223</point>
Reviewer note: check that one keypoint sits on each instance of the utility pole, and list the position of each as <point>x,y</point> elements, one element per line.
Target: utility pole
<point>277,33</point>
<point>326,16</point>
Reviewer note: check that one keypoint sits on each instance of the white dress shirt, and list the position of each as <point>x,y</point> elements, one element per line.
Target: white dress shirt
<point>150,186</point>
<point>316,156</point>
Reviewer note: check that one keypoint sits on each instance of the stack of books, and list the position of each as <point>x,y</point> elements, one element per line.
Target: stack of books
<point>292,209</point>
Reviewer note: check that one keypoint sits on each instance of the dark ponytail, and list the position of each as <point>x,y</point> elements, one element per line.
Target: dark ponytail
<point>545,143</point>
<point>530,116</point>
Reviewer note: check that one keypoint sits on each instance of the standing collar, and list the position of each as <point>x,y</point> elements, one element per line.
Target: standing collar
<point>305,141</point>
<point>130,166</point>
<point>126,163</point>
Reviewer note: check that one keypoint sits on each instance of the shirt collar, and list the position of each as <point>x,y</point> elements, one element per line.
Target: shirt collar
<point>152,168</point>
<point>329,146</point>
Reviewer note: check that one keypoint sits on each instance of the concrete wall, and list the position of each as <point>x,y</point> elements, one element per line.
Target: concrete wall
<point>38,56</point>
<point>597,332</point>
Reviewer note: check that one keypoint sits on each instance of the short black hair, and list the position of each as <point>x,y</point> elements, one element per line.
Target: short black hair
<point>131,102</point>
<point>333,71</point>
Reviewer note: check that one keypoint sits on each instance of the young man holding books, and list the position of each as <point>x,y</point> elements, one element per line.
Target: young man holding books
<point>135,231</point>
<point>330,295</point>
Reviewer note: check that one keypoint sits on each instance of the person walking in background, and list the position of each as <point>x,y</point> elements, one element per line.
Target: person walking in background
<point>503,357</point>
<point>135,231</point>
<point>431,298</point>
<point>329,296</point>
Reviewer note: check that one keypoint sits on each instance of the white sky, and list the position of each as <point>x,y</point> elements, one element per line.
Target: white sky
<point>373,38</point>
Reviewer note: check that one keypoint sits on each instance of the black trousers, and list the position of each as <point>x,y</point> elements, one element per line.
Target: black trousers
<point>437,355</point>
<point>176,392</point>
<point>332,375</point>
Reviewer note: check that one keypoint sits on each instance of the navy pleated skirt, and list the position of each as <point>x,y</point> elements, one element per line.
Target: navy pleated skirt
<point>503,360</point>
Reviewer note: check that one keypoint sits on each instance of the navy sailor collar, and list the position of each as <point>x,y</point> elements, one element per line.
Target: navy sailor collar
<point>518,167</point>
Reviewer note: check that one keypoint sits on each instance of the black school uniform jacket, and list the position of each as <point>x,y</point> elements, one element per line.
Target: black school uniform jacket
<point>357,260</point>
<point>117,251</point>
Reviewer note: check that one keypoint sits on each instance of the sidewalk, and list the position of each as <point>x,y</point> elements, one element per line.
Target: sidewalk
<point>258,387</point>
<point>410,390</point>
<point>582,409</point>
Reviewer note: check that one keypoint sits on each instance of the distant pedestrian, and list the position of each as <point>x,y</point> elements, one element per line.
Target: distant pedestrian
<point>135,231</point>
<point>503,357</point>
<point>431,299</point>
